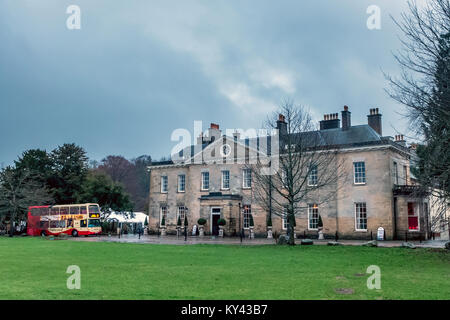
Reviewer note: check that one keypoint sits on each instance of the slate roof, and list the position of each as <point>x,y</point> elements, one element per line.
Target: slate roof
<point>355,136</point>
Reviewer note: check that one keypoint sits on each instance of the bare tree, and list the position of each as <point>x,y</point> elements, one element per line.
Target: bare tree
<point>308,167</point>
<point>424,89</point>
<point>20,189</point>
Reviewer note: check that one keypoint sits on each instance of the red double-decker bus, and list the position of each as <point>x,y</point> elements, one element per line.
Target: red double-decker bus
<point>73,219</point>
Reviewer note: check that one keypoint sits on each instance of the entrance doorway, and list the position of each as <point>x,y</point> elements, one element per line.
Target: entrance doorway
<point>215,216</point>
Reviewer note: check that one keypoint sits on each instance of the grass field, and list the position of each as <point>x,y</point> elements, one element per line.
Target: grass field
<point>35,268</point>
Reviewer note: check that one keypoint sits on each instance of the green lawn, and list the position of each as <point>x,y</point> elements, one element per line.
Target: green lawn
<point>35,268</point>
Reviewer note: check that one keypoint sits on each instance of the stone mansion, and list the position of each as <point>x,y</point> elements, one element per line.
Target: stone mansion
<point>379,191</point>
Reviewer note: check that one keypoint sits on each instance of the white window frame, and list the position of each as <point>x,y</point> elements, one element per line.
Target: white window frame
<point>161,213</point>
<point>179,183</point>
<point>311,208</point>
<point>181,212</point>
<point>362,172</point>
<point>357,218</point>
<point>310,175</point>
<point>247,211</point>
<point>223,180</point>
<point>164,182</point>
<point>244,186</point>
<point>204,174</point>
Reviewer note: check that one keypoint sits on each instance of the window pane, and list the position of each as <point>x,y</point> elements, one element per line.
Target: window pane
<point>312,178</point>
<point>313,216</point>
<point>164,183</point>
<point>361,216</point>
<point>163,214</point>
<point>94,209</point>
<point>225,179</point>
<point>359,172</point>
<point>247,213</point>
<point>413,223</point>
<point>181,183</point>
<point>74,210</point>
<point>205,180</point>
<point>247,175</point>
<point>93,223</point>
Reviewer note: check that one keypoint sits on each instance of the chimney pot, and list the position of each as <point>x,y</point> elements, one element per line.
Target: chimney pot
<point>345,108</point>
<point>214,126</point>
<point>281,117</point>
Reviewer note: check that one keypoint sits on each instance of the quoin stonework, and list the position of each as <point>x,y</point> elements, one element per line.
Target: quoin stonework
<point>378,190</point>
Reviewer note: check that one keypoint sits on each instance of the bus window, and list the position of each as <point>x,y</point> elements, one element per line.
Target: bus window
<point>58,224</point>
<point>94,212</point>
<point>83,223</point>
<point>74,210</point>
<point>64,210</point>
<point>54,211</point>
<point>83,210</point>
<point>43,225</point>
<point>94,223</point>
<point>44,211</point>
<point>94,209</point>
<point>69,223</point>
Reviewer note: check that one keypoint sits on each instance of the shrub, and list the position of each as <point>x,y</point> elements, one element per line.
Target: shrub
<point>163,221</point>
<point>201,221</point>
<point>221,222</point>
<point>185,221</point>
<point>146,222</point>
<point>320,223</point>
<point>179,221</point>
<point>269,220</point>
<point>252,223</point>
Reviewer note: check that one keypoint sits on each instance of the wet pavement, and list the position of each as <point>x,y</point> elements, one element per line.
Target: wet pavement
<point>153,239</point>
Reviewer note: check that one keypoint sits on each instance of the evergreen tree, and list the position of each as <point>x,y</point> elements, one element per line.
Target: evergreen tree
<point>70,169</point>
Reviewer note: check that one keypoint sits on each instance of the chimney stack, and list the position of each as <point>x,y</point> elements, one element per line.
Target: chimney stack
<point>281,125</point>
<point>400,139</point>
<point>330,121</point>
<point>374,120</point>
<point>346,119</point>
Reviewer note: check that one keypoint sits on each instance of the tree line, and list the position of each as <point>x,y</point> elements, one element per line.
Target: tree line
<point>66,176</point>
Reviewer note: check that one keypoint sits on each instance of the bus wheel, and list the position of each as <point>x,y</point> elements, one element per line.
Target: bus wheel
<point>74,233</point>
<point>43,234</point>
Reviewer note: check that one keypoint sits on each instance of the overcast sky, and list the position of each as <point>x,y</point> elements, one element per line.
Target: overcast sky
<point>137,70</point>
